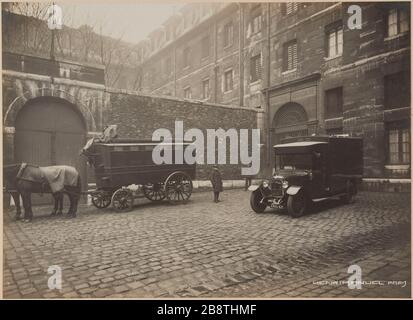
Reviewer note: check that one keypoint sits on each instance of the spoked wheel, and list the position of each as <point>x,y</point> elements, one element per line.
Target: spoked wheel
<point>297,204</point>
<point>101,199</point>
<point>154,191</point>
<point>178,187</point>
<point>122,200</point>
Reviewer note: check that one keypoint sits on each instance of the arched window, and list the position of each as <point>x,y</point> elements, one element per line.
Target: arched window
<point>290,121</point>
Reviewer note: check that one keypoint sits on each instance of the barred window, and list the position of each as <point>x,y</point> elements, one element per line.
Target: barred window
<point>335,42</point>
<point>256,20</point>
<point>228,34</point>
<point>228,81</point>
<point>255,66</point>
<point>205,89</point>
<point>168,65</point>
<point>397,21</point>
<point>290,55</point>
<point>397,87</point>
<point>186,57</point>
<point>205,47</point>
<point>398,139</point>
<point>187,93</point>
<point>334,103</point>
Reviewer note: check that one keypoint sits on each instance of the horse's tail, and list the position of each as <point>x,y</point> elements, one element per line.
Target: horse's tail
<point>79,183</point>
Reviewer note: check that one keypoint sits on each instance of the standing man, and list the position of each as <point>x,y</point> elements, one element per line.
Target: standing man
<point>216,181</point>
<point>248,181</point>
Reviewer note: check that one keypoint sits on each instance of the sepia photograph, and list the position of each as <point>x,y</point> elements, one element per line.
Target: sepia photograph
<point>206,150</point>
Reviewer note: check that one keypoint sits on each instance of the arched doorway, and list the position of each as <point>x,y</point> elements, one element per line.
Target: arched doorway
<point>50,131</point>
<point>289,121</point>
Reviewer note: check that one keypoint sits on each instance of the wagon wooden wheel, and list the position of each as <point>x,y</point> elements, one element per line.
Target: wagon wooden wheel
<point>178,187</point>
<point>101,199</point>
<point>154,191</point>
<point>122,199</point>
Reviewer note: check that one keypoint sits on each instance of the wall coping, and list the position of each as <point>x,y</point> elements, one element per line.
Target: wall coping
<point>198,102</point>
<point>389,180</point>
<point>38,77</point>
<point>239,182</point>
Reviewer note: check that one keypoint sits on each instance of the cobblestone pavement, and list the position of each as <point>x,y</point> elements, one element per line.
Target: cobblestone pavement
<point>203,249</point>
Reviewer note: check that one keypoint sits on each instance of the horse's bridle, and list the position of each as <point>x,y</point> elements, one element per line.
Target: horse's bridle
<point>15,178</point>
<point>21,170</point>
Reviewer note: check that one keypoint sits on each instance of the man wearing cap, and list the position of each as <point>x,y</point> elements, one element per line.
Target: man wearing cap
<point>216,181</point>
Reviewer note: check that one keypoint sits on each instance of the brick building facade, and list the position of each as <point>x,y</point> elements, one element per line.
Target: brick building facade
<point>301,64</point>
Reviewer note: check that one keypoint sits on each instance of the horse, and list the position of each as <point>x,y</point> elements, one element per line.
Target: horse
<point>23,179</point>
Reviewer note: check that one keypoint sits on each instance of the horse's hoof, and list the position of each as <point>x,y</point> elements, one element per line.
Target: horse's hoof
<point>27,220</point>
<point>53,214</point>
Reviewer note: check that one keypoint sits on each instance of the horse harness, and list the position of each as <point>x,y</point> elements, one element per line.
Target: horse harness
<point>37,176</point>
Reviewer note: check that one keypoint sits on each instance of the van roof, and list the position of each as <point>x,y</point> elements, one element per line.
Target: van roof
<point>299,144</point>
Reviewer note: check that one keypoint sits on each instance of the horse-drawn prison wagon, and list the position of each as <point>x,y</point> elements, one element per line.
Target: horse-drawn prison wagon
<point>120,163</point>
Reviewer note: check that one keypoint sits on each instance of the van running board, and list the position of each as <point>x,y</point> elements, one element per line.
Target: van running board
<point>322,199</point>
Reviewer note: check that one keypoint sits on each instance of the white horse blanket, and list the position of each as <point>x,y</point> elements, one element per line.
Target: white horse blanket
<point>56,176</point>
<point>60,176</point>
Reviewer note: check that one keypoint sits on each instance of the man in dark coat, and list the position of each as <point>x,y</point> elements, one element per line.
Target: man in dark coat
<point>216,181</point>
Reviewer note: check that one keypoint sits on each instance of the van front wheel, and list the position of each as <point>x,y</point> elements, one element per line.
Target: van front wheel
<point>255,202</point>
<point>297,205</point>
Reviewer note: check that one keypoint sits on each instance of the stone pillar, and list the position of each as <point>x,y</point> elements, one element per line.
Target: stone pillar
<point>263,142</point>
<point>8,156</point>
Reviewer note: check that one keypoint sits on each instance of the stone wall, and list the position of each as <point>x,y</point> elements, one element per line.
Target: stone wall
<point>138,116</point>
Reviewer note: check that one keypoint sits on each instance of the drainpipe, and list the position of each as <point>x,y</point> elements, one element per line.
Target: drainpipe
<point>267,111</point>
<point>174,68</point>
<point>215,60</point>
<point>241,55</point>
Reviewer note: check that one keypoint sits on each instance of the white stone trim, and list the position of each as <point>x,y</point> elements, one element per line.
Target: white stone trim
<point>397,166</point>
<point>93,133</point>
<point>9,130</point>
<point>361,62</point>
<point>32,76</point>
<point>390,180</point>
<point>172,98</point>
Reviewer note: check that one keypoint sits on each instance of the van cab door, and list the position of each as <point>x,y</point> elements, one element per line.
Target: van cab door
<point>319,182</point>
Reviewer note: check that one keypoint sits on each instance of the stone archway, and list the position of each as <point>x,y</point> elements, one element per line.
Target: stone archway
<point>291,120</point>
<point>50,131</point>
<point>48,91</point>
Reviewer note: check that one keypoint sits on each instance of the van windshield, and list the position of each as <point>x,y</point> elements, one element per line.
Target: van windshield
<point>302,161</point>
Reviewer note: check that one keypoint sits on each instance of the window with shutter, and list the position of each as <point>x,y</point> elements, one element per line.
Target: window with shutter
<point>255,66</point>
<point>205,89</point>
<point>256,20</point>
<point>290,55</point>
<point>228,80</point>
<point>186,55</point>
<point>166,66</point>
<point>291,7</point>
<point>205,47</point>
<point>228,34</point>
